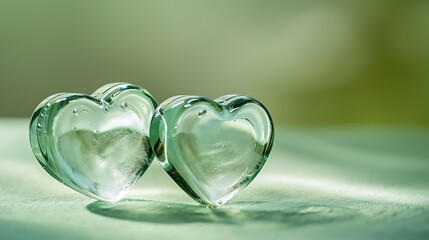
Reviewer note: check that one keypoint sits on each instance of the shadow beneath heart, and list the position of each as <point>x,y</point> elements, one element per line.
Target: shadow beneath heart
<point>234,213</point>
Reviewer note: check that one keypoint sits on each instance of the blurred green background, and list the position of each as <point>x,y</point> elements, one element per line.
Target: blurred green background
<point>312,63</point>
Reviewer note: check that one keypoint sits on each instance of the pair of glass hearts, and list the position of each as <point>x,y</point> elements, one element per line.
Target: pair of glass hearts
<point>100,145</point>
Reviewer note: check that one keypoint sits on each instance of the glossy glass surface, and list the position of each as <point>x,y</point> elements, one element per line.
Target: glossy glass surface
<point>212,149</point>
<point>97,145</point>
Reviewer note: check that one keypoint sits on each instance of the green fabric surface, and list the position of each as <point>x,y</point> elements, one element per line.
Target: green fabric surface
<point>339,183</point>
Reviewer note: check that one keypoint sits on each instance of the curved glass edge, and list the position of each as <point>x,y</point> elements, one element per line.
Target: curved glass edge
<point>233,102</point>
<point>166,115</point>
<point>40,129</point>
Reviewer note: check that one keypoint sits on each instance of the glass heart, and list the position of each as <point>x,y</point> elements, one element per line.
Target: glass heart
<point>212,149</point>
<point>97,145</point>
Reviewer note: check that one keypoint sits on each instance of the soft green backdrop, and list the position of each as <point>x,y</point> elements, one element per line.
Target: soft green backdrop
<point>338,66</point>
<point>310,62</point>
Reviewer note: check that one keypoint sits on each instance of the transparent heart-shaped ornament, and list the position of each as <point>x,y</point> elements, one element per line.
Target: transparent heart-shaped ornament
<point>97,145</point>
<point>212,149</point>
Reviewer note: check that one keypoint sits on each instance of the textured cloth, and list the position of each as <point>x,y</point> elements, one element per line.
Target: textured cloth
<point>349,183</point>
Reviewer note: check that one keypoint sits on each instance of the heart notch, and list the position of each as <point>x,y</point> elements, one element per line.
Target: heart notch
<point>95,144</point>
<point>212,149</point>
